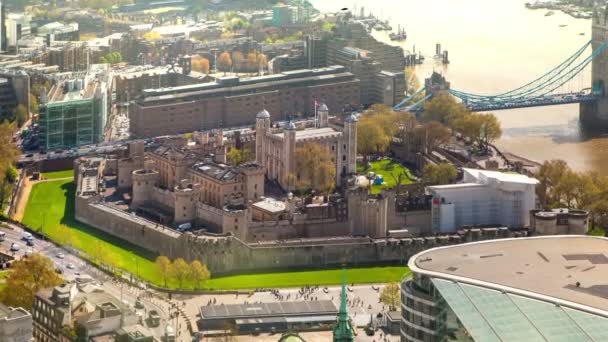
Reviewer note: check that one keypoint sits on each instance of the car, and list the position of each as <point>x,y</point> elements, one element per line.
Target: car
<point>26,236</point>
<point>70,266</point>
<point>60,255</point>
<point>153,318</point>
<point>29,242</point>
<point>14,247</point>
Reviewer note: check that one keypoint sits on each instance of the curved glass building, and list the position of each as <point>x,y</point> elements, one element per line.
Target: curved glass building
<point>550,288</point>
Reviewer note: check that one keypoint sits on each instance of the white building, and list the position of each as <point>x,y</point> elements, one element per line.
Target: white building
<point>483,198</point>
<point>17,26</point>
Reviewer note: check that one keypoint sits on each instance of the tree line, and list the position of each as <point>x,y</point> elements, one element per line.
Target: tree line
<point>560,186</point>
<point>179,270</point>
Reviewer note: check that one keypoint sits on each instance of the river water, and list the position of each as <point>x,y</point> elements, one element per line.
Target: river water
<point>494,46</point>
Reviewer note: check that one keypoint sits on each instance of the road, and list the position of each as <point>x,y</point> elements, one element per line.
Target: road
<point>122,291</point>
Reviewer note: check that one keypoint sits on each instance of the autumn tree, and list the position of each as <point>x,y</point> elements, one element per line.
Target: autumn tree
<point>439,174</point>
<point>180,270</point>
<point>236,156</point>
<point>34,106</point>
<point>6,187</point>
<point>238,60</point>
<point>224,62</point>
<point>480,128</point>
<point>27,277</point>
<point>391,296</point>
<point>199,273</point>
<point>21,115</point>
<point>376,128</point>
<point>164,267</point>
<point>152,36</point>
<point>315,167</point>
<point>444,109</point>
<point>200,64</point>
<point>432,134</point>
<point>9,153</point>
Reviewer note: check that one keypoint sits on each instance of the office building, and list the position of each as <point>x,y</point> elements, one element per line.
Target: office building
<point>489,198</point>
<point>234,102</point>
<point>15,324</point>
<point>17,26</point>
<point>14,91</point>
<point>377,85</point>
<point>84,310</point>
<point>75,110</point>
<point>549,288</point>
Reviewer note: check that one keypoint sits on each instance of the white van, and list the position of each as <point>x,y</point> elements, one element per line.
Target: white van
<point>26,236</point>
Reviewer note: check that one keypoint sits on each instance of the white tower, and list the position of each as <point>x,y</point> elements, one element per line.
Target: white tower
<point>289,161</point>
<point>323,115</point>
<point>350,139</point>
<point>262,126</point>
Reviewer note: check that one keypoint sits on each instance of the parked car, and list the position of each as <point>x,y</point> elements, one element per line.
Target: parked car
<point>60,255</point>
<point>14,247</point>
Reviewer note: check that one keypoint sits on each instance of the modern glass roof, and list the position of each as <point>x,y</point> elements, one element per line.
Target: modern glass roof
<point>491,315</point>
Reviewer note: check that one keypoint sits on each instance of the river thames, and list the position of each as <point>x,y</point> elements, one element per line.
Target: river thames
<point>495,46</point>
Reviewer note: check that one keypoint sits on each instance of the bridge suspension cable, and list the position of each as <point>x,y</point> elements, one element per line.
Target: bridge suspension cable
<point>537,94</point>
<point>534,85</point>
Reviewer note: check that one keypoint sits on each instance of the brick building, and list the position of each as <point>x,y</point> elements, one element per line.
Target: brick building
<point>232,102</point>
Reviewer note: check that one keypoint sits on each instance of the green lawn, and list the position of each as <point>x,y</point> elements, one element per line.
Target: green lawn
<point>324,277</point>
<point>51,204</point>
<point>58,174</point>
<point>389,169</point>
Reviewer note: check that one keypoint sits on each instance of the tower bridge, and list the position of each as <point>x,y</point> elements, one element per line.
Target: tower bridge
<point>561,85</point>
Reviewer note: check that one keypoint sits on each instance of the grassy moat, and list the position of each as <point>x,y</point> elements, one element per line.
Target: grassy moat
<point>50,209</point>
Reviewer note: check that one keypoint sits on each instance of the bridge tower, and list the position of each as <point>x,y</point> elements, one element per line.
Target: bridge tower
<point>436,84</point>
<point>595,114</point>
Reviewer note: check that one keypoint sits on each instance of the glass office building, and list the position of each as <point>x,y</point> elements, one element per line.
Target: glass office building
<point>76,111</point>
<point>526,289</point>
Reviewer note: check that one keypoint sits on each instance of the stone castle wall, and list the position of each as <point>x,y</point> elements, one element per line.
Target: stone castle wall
<point>227,254</point>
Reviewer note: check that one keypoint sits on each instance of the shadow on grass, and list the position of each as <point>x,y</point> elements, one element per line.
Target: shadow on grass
<point>68,219</point>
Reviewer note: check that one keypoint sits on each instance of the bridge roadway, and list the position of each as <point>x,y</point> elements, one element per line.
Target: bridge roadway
<point>489,105</point>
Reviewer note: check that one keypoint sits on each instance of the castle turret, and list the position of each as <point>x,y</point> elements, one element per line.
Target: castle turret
<point>289,151</point>
<point>350,139</point>
<point>262,126</point>
<point>323,115</point>
<point>143,184</point>
<point>185,205</point>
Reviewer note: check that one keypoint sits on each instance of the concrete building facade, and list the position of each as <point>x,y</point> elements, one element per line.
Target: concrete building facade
<point>483,198</point>
<point>233,102</point>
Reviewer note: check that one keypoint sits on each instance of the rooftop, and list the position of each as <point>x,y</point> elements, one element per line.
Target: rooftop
<point>270,205</point>
<point>500,176</point>
<point>566,270</point>
<point>300,308</point>
<point>312,133</point>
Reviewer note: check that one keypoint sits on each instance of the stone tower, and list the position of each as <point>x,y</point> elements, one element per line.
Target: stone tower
<point>343,331</point>
<point>262,126</point>
<point>323,116</point>
<point>595,114</point>
<point>350,139</point>
<point>289,160</point>
<point>144,181</point>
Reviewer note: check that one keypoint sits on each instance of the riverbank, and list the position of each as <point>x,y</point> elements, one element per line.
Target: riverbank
<point>572,8</point>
